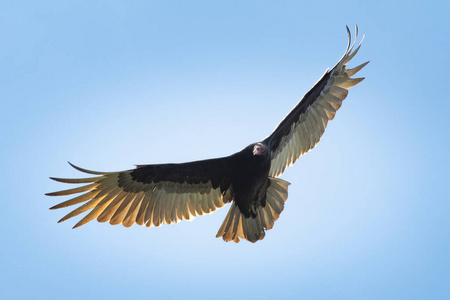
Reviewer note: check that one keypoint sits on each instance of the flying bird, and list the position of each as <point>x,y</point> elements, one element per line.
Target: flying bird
<point>157,194</point>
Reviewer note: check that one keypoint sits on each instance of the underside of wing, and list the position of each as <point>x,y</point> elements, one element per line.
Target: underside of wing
<point>303,127</point>
<point>150,195</point>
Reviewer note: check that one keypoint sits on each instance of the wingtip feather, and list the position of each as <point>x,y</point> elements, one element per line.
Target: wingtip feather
<point>76,180</point>
<point>85,170</point>
<point>353,71</point>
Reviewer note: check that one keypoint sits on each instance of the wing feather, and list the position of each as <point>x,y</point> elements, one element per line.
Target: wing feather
<point>85,207</point>
<point>168,208</point>
<point>150,212</point>
<point>303,127</point>
<point>112,207</point>
<point>76,200</point>
<point>156,220</point>
<point>130,218</point>
<point>140,218</point>
<point>96,211</point>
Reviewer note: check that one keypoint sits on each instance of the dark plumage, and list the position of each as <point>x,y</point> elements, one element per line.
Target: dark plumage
<point>167,193</point>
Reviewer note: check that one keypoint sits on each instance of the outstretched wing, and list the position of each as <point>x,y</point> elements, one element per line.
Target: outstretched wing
<point>303,127</point>
<point>151,194</point>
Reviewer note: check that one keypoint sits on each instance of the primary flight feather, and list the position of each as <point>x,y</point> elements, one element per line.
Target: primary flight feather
<point>152,195</point>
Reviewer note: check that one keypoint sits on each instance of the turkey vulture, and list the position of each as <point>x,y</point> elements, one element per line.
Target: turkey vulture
<point>167,193</point>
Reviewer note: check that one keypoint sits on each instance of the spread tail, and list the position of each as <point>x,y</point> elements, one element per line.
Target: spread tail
<point>237,226</point>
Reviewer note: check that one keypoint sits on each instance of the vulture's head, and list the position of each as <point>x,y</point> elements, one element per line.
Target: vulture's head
<point>259,149</point>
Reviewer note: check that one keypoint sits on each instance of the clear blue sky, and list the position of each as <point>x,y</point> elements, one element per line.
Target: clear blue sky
<point>110,84</point>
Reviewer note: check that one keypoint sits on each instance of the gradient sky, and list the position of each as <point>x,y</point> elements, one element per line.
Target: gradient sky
<point>110,84</point>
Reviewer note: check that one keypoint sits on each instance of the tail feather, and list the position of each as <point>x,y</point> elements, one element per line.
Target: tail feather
<point>236,225</point>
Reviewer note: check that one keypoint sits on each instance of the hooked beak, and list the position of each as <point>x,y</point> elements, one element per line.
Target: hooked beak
<point>256,150</point>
